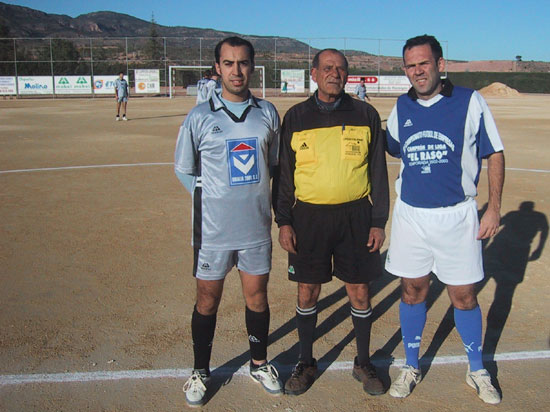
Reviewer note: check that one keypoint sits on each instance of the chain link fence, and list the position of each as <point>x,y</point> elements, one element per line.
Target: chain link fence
<point>103,56</point>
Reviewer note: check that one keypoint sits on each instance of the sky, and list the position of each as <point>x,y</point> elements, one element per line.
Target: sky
<point>467,29</point>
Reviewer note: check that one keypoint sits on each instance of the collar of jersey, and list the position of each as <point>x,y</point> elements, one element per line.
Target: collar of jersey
<point>216,103</point>
<point>446,91</point>
<point>345,104</point>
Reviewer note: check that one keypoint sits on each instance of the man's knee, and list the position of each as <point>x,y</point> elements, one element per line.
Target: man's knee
<point>358,295</point>
<point>463,297</point>
<point>257,301</point>
<point>208,297</point>
<point>414,291</point>
<point>308,294</point>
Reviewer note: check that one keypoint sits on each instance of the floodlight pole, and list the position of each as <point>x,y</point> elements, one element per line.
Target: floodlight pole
<point>92,66</point>
<point>164,62</point>
<point>51,67</point>
<point>309,66</point>
<point>15,64</point>
<point>379,54</point>
<point>275,60</point>
<point>126,53</point>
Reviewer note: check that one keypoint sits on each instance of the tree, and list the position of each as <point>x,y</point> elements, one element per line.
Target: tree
<point>518,58</point>
<point>66,57</point>
<point>6,44</point>
<point>153,45</point>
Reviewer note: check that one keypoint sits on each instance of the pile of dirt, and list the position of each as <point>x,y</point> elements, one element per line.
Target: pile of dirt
<point>499,89</point>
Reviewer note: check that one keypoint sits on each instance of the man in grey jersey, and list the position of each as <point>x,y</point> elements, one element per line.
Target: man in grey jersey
<point>202,87</point>
<point>228,145</point>
<point>122,93</point>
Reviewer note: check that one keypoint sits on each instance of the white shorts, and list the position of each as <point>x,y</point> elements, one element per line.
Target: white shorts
<point>441,240</point>
<point>216,264</point>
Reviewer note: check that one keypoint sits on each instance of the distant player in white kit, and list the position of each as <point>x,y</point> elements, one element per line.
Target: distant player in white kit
<point>202,87</point>
<point>441,133</point>
<point>361,90</point>
<point>228,144</point>
<point>122,93</point>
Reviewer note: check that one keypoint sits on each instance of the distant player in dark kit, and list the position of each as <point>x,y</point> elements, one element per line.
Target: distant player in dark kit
<point>332,161</point>
<point>122,93</point>
<point>228,145</point>
<point>441,133</point>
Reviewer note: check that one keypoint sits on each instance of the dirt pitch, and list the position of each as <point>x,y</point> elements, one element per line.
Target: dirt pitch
<point>95,276</point>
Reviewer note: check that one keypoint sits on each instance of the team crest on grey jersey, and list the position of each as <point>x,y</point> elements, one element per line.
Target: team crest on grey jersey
<point>242,158</point>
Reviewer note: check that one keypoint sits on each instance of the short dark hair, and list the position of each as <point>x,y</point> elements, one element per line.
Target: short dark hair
<point>121,73</point>
<point>315,62</point>
<point>207,73</point>
<point>234,41</point>
<point>437,51</point>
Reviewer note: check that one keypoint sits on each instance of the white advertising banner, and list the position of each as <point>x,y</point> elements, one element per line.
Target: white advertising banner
<point>292,81</point>
<point>379,84</point>
<point>312,85</point>
<point>35,84</point>
<point>147,80</point>
<point>394,84</point>
<point>104,84</point>
<point>7,85</point>
<point>73,84</point>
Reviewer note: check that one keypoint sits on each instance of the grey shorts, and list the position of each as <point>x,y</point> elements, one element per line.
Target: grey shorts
<point>216,264</point>
<point>122,99</point>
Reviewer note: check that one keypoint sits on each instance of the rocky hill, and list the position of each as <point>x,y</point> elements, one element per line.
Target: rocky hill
<point>20,21</point>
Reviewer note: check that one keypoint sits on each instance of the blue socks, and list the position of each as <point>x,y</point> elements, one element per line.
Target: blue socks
<point>413,319</point>
<point>468,325</point>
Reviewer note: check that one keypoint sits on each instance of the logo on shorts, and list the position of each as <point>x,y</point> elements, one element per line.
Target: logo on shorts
<point>216,129</point>
<point>242,158</point>
<point>205,266</point>
<point>253,339</point>
<point>291,270</point>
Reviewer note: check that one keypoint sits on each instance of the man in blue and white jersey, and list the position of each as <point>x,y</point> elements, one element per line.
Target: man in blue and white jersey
<point>228,144</point>
<point>441,133</point>
<point>122,93</point>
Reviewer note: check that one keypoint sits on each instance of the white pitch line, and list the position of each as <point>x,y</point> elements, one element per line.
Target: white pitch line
<point>6,380</point>
<point>49,169</point>
<point>515,169</point>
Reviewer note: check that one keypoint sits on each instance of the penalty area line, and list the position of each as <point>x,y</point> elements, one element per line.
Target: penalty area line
<point>49,169</point>
<point>513,169</point>
<point>99,376</point>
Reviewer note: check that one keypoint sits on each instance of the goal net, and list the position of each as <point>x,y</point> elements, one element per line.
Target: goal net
<point>183,80</point>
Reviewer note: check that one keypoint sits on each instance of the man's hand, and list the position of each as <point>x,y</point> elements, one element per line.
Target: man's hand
<point>376,239</point>
<point>287,238</point>
<point>489,224</point>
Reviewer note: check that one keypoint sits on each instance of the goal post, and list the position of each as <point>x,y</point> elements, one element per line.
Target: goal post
<point>187,77</point>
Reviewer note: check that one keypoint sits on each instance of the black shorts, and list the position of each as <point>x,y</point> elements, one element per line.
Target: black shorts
<point>327,234</point>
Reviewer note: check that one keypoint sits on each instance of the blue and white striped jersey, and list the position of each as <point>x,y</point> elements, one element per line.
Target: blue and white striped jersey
<point>441,143</point>
<point>230,158</point>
